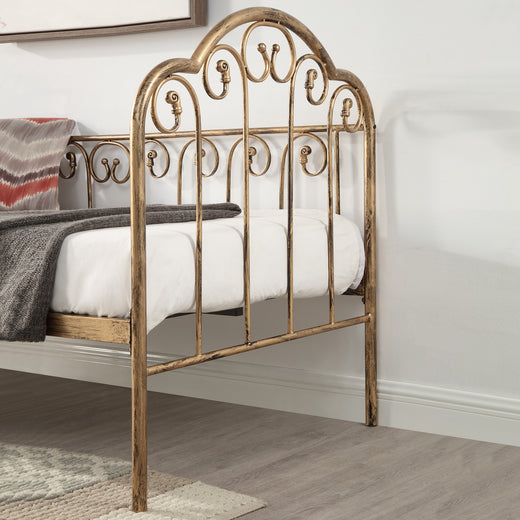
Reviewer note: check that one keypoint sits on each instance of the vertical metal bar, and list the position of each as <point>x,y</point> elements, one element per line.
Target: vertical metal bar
<point>281,193</point>
<point>370,275</point>
<point>228,174</point>
<point>330,226</point>
<point>179,181</point>
<point>228,187</point>
<point>89,183</point>
<point>139,421</point>
<point>247,273</point>
<point>290,211</point>
<point>198,217</point>
<point>336,171</point>
<point>89,191</point>
<point>198,210</point>
<point>138,314</point>
<point>223,68</point>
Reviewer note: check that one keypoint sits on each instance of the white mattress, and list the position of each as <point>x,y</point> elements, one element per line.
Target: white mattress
<point>93,273</point>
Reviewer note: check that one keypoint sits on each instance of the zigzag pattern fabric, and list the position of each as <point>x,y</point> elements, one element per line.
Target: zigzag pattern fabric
<point>30,154</point>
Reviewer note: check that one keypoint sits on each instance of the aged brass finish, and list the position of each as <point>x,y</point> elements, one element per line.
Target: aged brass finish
<point>205,133</point>
<point>250,153</point>
<point>349,110</point>
<point>246,347</point>
<point>152,155</point>
<point>203,153</point>
<point>305,151</point>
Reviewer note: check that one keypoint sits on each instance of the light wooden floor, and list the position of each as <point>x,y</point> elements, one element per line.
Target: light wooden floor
<point>304,467</point>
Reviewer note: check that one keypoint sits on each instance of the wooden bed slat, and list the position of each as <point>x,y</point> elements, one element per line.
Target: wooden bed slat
<point>112,330</point>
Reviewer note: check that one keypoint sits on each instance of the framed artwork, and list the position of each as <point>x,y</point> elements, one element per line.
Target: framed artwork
<point>27,20</point>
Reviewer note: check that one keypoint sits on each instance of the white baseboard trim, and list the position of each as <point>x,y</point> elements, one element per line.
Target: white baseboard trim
<point>401,405</point>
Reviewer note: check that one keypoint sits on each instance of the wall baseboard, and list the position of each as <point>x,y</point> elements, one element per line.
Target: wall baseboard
<point>402,405</point>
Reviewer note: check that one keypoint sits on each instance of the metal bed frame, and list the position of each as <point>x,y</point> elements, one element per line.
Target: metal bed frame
<point>133,331</point>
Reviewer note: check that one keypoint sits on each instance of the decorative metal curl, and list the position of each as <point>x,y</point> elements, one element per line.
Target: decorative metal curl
<point>152,155</point>
<point>305,151</point>
<point>312,75</point>
<point>347,106</point>
<point>110,170</point>
<point>269,63</point>
<point>173,99</point>
<point>251,152</point>
<point>345,112</point>
<point>202,155</point>
<point>73,163</point>
<point>222,67</point>
<point>216,158</point>
<point>71,157</point>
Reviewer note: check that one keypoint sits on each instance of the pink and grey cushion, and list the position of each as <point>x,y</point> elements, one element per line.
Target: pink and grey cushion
<point>30,154</point>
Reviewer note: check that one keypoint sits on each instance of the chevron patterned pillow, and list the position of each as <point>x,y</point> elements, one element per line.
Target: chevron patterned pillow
<point>30,154</point>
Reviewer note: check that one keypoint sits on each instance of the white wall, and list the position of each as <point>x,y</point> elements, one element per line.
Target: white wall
<point>444,79</point>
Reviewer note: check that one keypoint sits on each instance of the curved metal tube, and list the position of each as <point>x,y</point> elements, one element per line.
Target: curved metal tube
<point>203,153</point>
<point>251,154</point>
<point>152,155</point>
<point>110,171</point>
<point>305,151</point>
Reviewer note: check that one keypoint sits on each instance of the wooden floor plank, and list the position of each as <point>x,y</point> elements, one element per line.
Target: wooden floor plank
<point>304,467</point>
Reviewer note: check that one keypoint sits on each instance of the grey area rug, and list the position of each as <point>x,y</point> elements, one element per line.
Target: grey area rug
<point>52,484</point>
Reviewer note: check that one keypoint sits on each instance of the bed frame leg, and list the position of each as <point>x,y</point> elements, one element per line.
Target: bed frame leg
<point>139,426</point>
<point>370,373</point>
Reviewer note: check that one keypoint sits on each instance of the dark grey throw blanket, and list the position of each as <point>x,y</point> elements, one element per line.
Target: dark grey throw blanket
<point>30,243</point>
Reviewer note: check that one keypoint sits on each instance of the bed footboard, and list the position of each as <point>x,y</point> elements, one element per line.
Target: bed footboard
<point>175,71</point>
<point>348,111</point>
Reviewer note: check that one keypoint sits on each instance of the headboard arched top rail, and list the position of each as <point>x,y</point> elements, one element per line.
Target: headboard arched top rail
<point>213,53</point>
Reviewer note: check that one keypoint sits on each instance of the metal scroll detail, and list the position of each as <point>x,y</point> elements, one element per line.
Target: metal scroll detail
<point>110,169</point>
<point>251,154</point>
<point>344,115</point>
<point>305,151</point>
<point>172,98</point>
<point>73,165</point>
<point>152,154</point>
<point>104,161</point>
<point>158,155</point>
<point>269,61</point>
<point>216,161</point>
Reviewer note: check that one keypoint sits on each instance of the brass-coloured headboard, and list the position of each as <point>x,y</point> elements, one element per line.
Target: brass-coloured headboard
<point>348,111</point>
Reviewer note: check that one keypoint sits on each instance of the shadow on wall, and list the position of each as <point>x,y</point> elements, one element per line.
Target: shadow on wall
<point>448,320</point>
<point>449,252</point>
<point>449,175</point>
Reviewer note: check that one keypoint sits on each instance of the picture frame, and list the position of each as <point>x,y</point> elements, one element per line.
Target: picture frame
<point>26,20</point>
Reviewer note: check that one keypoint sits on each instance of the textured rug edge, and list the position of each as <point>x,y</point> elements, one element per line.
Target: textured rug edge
<point>198,501</point>
<point>79,486</point>
<point>252,504</point>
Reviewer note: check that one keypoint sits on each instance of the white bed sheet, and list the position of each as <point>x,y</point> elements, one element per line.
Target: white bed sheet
<point>93,272</point>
